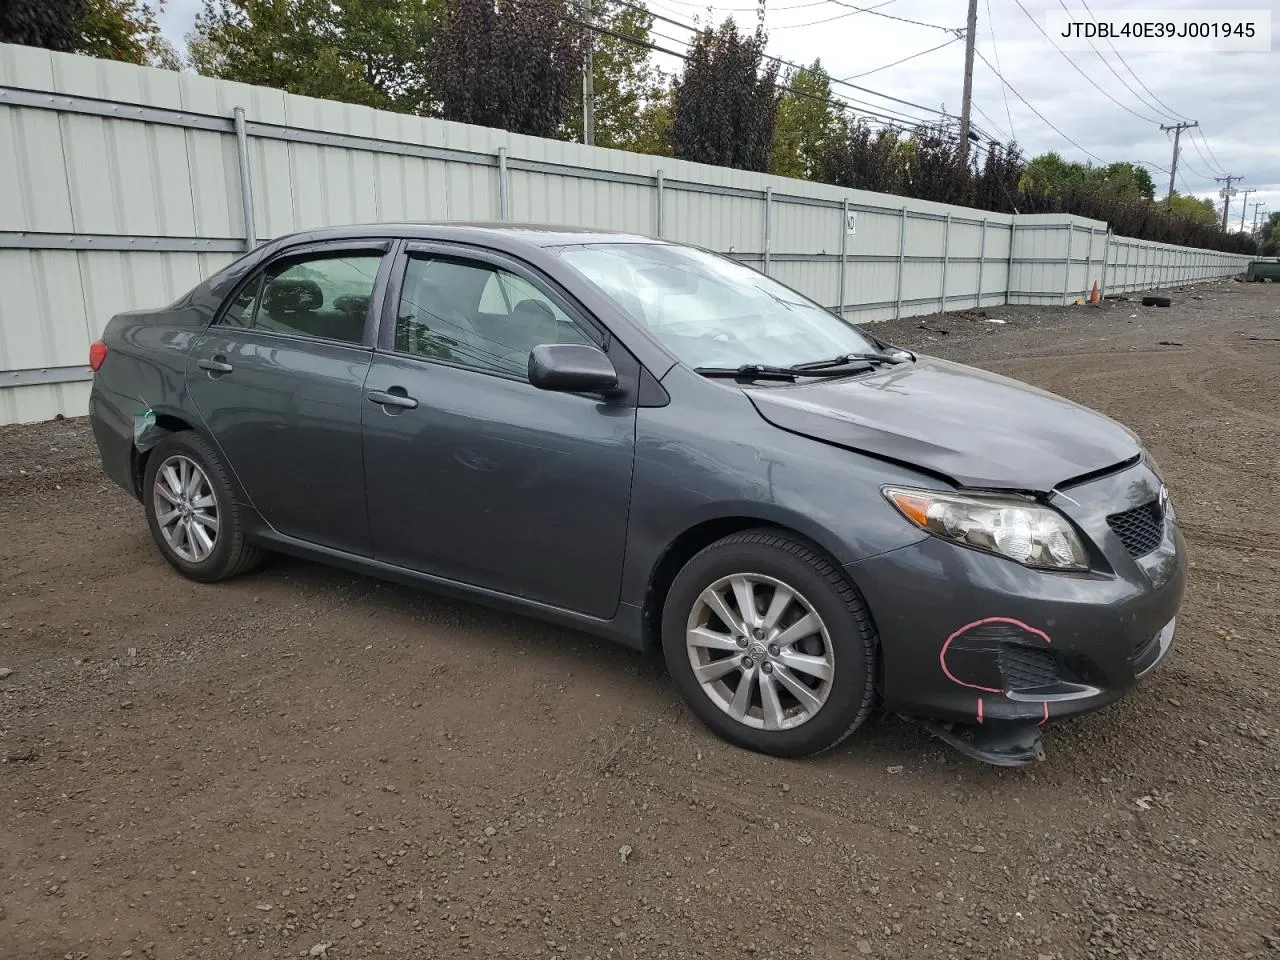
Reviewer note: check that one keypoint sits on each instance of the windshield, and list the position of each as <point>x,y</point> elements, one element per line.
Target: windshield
<point>711,311</point>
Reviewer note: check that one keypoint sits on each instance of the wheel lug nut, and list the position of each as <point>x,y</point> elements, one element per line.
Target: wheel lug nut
<point>742,642</point>
<point>748,662</point>
<point>758,633</point>
<point>767,667</point>
<point>774,649</point>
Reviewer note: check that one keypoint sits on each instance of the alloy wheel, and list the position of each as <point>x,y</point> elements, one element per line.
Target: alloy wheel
<point>760,651</point>
<point>186,509</point>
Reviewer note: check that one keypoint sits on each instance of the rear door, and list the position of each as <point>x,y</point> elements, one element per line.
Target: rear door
<point>474,474</point>
<point>278,379</point>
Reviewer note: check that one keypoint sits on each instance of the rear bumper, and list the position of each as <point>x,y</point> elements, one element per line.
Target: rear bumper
<point>113,430</point>
<point>970,637</point>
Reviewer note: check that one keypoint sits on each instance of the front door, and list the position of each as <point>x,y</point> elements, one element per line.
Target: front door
<point>278,379</point>
<point>474,474</point>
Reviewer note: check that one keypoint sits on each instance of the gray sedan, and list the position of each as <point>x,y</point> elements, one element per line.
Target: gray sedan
<point>661,446</point>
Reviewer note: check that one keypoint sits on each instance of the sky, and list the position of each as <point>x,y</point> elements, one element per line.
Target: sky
<point>1116,117</point>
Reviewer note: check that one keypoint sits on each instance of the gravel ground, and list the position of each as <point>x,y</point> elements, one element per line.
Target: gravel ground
<point>303,762</point>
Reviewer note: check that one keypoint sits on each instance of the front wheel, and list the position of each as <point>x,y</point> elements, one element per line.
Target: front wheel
<point>770,644</point>
<point>192,511</point>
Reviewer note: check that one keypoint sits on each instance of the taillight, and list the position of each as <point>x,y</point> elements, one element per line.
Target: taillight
<point>97,353</point>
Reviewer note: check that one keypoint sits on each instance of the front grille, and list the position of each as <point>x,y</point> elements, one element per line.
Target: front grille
<point>1140,529</point>
<point>1026,668</point>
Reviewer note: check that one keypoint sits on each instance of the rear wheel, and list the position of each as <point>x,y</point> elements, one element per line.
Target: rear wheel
<point>770,644</point>
<point>192,511</point>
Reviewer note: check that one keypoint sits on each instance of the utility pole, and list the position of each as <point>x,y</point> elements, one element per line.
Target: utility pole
<point>1243,204</point>
<point>588,81</point>
<point>1258,206</point>
<point>1177,129</point>
<point>970,33</point>
<point>1226,193</point>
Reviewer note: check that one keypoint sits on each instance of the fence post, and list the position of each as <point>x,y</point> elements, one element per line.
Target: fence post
<point>246,182</point>
<point>982,262</point>
<point>768,225</point>
<point>1008,280</point>
<point>661,186</point>
<point>946,262</point>
<point>1088,265</point>
<point>1066,280</point>
<point>902,261</point>
<point>1106,257</point>
<point>502,183</point>
<point>844,248</point>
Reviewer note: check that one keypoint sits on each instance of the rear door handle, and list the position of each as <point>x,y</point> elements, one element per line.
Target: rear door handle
<point>393,397</point>
<point>216,364</point>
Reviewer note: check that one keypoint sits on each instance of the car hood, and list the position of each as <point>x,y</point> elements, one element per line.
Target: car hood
<point>977,428</point>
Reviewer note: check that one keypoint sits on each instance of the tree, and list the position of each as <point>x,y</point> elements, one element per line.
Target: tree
<point>368,52</point>
<point>863,159</point>
<point>52,24</point>
<point>1269,236</point>
<point>122,30</point>
<point>111,29</point>
<point>726,101</point>
<point>1126,180</point>
<point>654,123</point>
<point>1193,208</point>
<point>623,78</point>
<point>511,64</point>
<point>807,121</point>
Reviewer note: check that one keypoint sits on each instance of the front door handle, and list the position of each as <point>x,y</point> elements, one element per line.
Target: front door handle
<point>216,364</point>
<point>393,397</point>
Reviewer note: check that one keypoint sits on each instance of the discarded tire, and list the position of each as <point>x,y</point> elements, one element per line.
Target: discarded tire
<point>1156,302</point>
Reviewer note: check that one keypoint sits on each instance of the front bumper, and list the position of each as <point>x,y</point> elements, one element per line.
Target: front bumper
<point>970,637</point>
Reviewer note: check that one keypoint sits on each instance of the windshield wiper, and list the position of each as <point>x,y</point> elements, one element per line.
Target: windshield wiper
<point>849,358</point>
<point>759,371</point>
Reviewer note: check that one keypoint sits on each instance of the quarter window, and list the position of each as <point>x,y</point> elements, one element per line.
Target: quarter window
<point>326,297</point>
<point>477,315</point>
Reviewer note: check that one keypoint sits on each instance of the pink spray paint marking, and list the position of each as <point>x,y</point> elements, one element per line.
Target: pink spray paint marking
<point>942,658</point>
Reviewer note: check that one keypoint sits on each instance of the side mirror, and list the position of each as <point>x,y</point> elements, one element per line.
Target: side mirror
<point>571,368</point>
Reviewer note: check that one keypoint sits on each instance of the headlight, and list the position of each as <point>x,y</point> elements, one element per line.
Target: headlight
<point>1029,533</point>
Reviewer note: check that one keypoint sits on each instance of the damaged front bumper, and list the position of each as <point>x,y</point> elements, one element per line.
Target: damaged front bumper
<point>985,651</point>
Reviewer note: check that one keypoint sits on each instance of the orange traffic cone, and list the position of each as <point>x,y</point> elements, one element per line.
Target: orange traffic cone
<point>1094,295</point>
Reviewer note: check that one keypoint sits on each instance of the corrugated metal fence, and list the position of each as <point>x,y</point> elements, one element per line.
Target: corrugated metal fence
<point>122,186</point>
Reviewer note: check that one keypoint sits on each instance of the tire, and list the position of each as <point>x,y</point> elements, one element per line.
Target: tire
<point>843,645</point>
<point>1157,302</point>
<point>212,509</point>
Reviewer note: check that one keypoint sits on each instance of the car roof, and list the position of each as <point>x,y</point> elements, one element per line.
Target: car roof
<point>500,234</point>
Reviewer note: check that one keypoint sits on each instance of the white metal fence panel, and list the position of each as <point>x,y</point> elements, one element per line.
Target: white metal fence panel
<point>123,186</point>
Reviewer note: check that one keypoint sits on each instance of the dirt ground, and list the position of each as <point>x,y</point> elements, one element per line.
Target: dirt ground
<point>307,763</point>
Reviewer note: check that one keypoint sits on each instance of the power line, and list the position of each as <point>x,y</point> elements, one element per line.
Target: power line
<point>1042,117</point>
<point>865,73</point>
<point>795,66</point>
<point>1092,46</point>
<point>890,16</point>
<point>1211,154</point>
<point>794,6</point>
<point>883,119</point>
<point>1203,176</point>
<point>1215,166</point>
<point>1076,67</point>
<point>838,16</point>
<point>815,23</point>
<point>995,50</point>
<point>990,121</point>
<point>1169,111</point>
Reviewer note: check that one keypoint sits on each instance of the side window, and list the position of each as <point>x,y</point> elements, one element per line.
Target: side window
<point>239,312</point>
<point>323,296</point>
<point>477,315</point>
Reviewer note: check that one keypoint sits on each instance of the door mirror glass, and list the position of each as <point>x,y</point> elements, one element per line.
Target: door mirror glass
<point>572,368</point>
